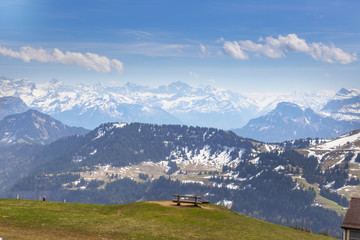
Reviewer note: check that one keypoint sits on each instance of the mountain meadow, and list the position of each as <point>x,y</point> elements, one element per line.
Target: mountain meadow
<point>28,219</point>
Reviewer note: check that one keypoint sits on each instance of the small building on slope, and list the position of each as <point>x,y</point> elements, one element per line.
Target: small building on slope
<point>351,223</point>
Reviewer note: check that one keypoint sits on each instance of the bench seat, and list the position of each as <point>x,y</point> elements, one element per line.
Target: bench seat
<point>186,201</point>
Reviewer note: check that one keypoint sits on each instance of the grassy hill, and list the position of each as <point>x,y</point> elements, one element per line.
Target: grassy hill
<point>26,219</point>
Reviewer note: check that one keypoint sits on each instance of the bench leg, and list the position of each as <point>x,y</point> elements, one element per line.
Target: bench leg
<point>178,200</point>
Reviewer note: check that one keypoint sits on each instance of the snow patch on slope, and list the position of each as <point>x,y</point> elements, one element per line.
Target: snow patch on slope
<point>339,142</point>
<point>204,157</point>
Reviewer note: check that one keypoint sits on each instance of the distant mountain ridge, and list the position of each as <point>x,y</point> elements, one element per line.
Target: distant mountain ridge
<point>289,121</point>
<point>122,144</point>
<point>177,103</point>
<point>35,128</point>
<point>11,105</point>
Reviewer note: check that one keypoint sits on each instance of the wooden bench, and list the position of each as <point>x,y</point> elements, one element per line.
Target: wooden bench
<point>180,199</point>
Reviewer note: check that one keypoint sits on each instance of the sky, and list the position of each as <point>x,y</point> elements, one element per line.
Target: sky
<point>245,46</point>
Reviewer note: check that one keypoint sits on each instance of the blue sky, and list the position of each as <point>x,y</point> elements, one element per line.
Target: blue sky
<point>246,46</point>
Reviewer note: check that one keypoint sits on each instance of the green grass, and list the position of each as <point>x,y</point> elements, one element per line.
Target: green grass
<point>26,219</point>
<point>324,202</point>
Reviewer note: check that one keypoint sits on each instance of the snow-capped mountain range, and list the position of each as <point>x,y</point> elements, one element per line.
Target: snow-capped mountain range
<point>90,105</point>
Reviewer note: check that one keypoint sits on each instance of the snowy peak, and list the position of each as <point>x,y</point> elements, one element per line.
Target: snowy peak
<point>346,93</point>
<point>15,87</point>
<point>178,87</point>
<point>286,111</point>
<point>34,127</point>
<point>345,105</point>
<point>290,109</point>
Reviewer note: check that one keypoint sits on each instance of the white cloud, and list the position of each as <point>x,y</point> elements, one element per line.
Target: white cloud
<point>193,74</point>
<point>331,54</point>
<point>278,47</point>
<point>119,66</point>
<point>91,61</point>
<point>233,49</point>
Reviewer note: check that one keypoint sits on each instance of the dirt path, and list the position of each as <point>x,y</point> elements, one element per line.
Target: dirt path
<point>183,205</point>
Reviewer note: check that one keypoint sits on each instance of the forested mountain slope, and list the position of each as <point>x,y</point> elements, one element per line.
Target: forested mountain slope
<point>122,163</point>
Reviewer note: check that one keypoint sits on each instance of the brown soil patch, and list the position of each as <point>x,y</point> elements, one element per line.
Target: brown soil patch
<point>183,205</point>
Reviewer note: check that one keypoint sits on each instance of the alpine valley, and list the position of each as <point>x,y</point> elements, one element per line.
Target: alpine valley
<point>290,183</point>
<point>150,143</point>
